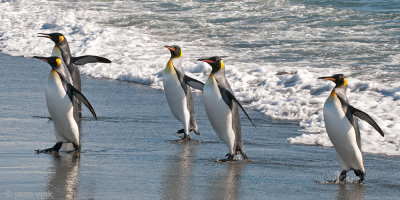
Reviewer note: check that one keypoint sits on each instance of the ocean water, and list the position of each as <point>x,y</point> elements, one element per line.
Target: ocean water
<point>275,51</point>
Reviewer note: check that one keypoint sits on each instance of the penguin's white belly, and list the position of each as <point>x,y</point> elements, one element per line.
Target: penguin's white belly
<point>342,135</point>
<point>61,110</point>
<point>218,113</point>
<point>176,97</point>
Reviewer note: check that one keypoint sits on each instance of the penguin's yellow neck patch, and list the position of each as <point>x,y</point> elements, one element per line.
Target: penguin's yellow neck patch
<point>60,39</point>
<point>53,72</point>
<point>333,93</point>
<point>222,65</point>
<point>211,79</point>
<point>170,67</point>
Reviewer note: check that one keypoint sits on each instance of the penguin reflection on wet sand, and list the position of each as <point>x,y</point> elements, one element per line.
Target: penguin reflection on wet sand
<point>222,108</point>
<point>63,177</point>
<point>61,50</point>
<point>342,128</point>
<point>59,97</point>
<point>178,94</point>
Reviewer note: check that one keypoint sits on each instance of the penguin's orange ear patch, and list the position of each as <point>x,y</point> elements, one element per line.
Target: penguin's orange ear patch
<point>60,38</point>
<point>58,62</point>
<point>344,82</point>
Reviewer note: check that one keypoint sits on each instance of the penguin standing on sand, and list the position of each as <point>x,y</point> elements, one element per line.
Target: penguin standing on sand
<point>342,128</point>
<point>222,108</point>
<point>61,50</point>
<point>59,98</point>
<point>178,94</point>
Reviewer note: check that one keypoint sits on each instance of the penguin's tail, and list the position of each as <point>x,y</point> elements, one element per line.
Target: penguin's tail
<point>244,155</point>
<point>196,131</point>
<point>193,127</point>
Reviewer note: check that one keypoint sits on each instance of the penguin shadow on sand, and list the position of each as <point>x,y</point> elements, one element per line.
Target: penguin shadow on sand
<point>350,191</point>
<point>178,178</point>
<point>63,177</point>
<point>226,184</point>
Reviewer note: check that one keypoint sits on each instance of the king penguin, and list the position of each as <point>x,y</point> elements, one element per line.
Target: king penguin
<point>178,94</point>
<point>342,128</point>
<point>61,50</point>
<point>59,98</point>
<point>222,108</point>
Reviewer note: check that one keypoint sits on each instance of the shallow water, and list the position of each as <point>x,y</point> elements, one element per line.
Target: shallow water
<point>129,152</point>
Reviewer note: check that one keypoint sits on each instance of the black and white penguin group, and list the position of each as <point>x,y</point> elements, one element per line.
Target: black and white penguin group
<point>63,91</point>
<point>64,98</point>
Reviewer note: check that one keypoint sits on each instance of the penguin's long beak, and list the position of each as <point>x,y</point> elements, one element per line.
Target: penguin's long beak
<point>45,59</point>
<point>45,35</point>
<point>205,60</point>
<point>329,78</point>
<point>169,47</point>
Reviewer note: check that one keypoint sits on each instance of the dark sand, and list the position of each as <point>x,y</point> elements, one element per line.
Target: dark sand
<point>128,153</point>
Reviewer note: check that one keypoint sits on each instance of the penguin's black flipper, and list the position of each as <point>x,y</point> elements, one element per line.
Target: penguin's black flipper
<point>228,96</point>
<point>82,99</point>
<point>72,91</point>
<point>81,60</point>
<point>193,83</point>
<point>362,115</point>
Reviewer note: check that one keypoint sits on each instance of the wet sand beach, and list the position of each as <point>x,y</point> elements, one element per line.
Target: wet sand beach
<point>129,152</point>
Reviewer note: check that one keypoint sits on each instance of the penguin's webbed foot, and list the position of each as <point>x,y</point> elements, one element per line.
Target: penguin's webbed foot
<point>77,147</point>
<point>180,131</point>
<point>361,180</point>
<point>342,176</point>
<point>231,157</point>
<point>53,149</point>
<point>360,174</point>
<point>49,150</point>
<point>186,138</point>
